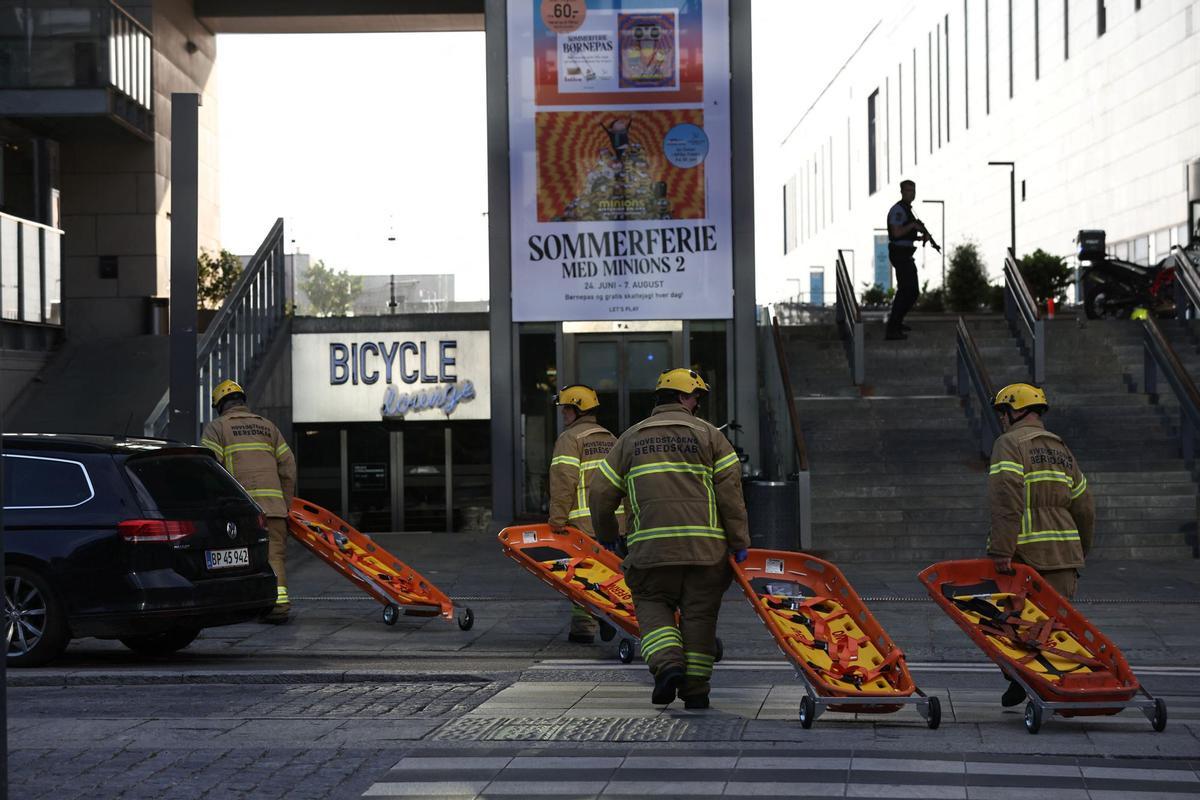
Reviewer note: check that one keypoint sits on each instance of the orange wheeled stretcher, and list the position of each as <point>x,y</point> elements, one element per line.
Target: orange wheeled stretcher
<point>576,566</point>
<point>399,587</point>
<point>840,652</point>
<point>1064,663</point>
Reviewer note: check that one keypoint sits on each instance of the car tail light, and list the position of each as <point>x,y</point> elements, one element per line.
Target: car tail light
<point>141,531</point>
<point>262,521</point>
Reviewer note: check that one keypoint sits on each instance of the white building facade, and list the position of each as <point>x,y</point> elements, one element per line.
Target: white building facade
<point>1095,102</point>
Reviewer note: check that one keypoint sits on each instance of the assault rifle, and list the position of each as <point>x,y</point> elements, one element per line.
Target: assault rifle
<point>928,236</point>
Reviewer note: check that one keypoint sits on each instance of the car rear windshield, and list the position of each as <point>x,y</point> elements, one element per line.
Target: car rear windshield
<point>184,484</point>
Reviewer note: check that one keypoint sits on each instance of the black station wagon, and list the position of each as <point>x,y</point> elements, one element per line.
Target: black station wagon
<point>139,540</point>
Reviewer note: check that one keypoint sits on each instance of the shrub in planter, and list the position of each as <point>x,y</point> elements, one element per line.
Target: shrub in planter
<point>966,282</point>
<point>875,296</point>
<point>1046,275</point>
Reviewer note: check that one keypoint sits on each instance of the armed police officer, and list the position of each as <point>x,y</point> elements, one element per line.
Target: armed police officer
<point>255,453</point>
<point>1042,512</point>
<point>904,231</point>
<point>682,480</point>
<point>580,449</point>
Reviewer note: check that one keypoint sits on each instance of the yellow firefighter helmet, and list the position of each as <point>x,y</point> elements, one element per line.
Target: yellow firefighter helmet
<point>681,380</point>
<point>582,397</point>
<point>224,389</point>
<point>1018,396</point>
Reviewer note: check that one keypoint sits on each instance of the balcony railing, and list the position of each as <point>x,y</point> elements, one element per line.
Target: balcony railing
<point>30,271</point>
<point>77,45</point>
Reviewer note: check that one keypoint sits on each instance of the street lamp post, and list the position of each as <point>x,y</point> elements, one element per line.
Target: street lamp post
<point>1012,200</point>
<point>941,235</point>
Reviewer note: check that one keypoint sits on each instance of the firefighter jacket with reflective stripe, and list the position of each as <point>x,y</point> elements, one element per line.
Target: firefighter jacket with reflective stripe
<point>683,482</point>
<point>578,453</point>
<point>1042,511</point>
<point>254,452</point>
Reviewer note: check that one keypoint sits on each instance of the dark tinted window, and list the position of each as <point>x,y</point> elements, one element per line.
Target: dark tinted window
<point>41,482</point>
<point>184,484</point>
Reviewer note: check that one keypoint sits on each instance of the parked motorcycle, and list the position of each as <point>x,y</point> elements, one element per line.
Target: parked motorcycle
<point>1114,288</point>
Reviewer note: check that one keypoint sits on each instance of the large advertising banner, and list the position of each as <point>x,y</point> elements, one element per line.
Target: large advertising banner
<point>620,159</point>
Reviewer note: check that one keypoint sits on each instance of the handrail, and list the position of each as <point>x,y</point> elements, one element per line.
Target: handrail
<point>849,320</point>
<point>241,331</point>
<point>973,377</point>
<point>1019,304</point>
<point>798,443</point>
<point>1187,283</point>
<point>799,446</point>
<point>1159,355</point>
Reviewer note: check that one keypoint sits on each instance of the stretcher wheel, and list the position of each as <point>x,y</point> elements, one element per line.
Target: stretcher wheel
<point>808,712</point>
<point>466,620</point>
<point>934,714</point>
<point>625,651</point>
<point>1033,717</point>
<point>1160,715</point>
<point>717,656</point>
<point>391,613</point>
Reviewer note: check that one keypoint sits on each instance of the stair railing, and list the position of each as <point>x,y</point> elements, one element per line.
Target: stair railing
<point>973,379</point>
<point>799,447</point>
<point>849,321</point>
<point>1160,356</point>
<point>240,332</point>
<point>1021,311</point>
<point>1187,284</point>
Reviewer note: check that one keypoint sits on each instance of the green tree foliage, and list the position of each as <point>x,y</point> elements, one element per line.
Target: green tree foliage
<point>331,293</point>
<point>875,297</point>
<point>216,277</point>
<point>966,282</point>
<point>1046,275</point>
<point>931,301</point>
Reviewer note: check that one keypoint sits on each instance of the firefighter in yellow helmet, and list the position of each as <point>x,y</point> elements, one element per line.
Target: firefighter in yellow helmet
<point>1042,513</point>
<point>683,482</point>
<point>255,453</point>
<point>580,448</point>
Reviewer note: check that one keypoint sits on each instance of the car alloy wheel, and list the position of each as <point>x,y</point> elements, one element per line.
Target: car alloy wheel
<point>25,615</point>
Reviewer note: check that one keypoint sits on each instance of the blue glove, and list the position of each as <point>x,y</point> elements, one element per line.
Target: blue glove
<point>741,555</point>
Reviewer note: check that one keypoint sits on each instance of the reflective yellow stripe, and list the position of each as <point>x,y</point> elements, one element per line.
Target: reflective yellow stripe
<point>1006,466</point>
<point>579,513</point>
<point>281,595</point>
<point>660,639</point>
<point>676,532</point>
<point>1080,489</point>
<point>211,445</point>
<point>1048,536</point>
<point>570,461</point>
<point>725,463</point>
<point>609,473</point>
<point>282,449</point>
<point>265,493</point>
<point>1054,475</point>
<point>249,447</point>
<point>668,466</point>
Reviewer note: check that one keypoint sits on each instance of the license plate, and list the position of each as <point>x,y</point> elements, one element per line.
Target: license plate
<point>223,559</point>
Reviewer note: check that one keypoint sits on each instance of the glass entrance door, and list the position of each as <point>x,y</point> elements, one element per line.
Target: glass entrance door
<point>623,369</point>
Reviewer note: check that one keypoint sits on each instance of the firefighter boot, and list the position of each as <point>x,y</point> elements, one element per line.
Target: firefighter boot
<point>696,702</point>
<point>583,626</point>
<point>666,684</point>
<point>278,614</point>
<point>1014,695</point>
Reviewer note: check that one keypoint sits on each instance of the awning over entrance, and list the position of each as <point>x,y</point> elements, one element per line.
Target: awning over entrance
<point>344,16</point>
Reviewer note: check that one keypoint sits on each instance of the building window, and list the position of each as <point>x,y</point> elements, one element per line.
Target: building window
<point>946,35</point>
<point>1101,18</point>
<point>938,37</point>
<point>1010,50</point>
<point>1066,30</point>
<point>914,74</point>
<point>900,113</point>
<point>1037,41</point>
<point>789,216</point>
<point>966,69</point>
<point>987,57</point>
<point>929,62</point>
<point>871,179</point>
